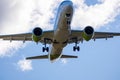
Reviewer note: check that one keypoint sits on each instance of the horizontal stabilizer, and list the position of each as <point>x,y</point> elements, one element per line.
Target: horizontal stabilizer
<point>68,56</point>
<point>38,57</point>
<point>46,57</point>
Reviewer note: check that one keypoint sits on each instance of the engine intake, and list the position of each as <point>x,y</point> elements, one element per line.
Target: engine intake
<point>89,30</point>
<point>88,33</point>
<point>37,32</point>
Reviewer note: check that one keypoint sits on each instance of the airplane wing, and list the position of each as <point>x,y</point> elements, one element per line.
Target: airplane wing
<point>97,35</point>
<point>27,37</point>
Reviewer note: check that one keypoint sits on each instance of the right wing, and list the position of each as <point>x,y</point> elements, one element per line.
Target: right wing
<point>28,37</point>
<point>77,34</point>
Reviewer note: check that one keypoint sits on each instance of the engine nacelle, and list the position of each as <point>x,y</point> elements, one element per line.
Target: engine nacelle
<point>36,35</point>
<point>88,33</point>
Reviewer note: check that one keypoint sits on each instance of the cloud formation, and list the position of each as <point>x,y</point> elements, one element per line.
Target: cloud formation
<point>18,16</point>
<point>23,17</point>
<point>15,19</point>
<point>95,15</point>
<point>24,65</point>
<point>64,61</point>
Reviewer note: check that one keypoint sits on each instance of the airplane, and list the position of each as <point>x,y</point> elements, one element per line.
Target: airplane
<point>60,36</point>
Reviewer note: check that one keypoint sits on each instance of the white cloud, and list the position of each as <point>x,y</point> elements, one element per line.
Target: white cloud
<point>23,16</point>
<point>7,48</point>
<point>15,19</point>
<point>18,16</point>
<point>95,15</point>
<point>64,61</point>
<point>24,65</point>
<point>44,13</point>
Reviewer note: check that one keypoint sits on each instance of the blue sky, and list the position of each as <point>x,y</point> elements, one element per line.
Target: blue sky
<point>99,60</point>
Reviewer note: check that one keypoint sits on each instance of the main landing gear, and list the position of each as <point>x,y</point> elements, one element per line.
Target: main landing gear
<point>76,48</point>
<point>45,48</point>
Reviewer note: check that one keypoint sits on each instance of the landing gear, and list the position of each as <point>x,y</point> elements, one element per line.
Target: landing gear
<point>45,48</point>
<point>76,47</point>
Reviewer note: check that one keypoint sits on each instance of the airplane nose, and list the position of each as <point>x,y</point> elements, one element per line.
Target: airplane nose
<point>69,4</point>
<point>66,2</point>
<point>69,8</point>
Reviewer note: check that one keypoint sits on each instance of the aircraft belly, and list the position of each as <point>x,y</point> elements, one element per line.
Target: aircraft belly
<point>62,31</point>
<point>55,53</point>
<point>61,36</point>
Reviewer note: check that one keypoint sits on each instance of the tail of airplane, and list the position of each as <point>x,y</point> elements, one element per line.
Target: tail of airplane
<point>46,57</point>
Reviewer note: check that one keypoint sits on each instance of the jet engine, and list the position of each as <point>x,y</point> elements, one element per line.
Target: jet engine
<point>36,34</point>
<point>88,33</point>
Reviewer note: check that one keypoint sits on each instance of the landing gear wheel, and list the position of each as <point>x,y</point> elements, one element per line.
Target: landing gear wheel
<point>76,48</point>
<point>45,49</point>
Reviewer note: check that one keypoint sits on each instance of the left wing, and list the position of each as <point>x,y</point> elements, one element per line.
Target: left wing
<point>97,35</point>
<point>17,37</point>
<point>28,37</point>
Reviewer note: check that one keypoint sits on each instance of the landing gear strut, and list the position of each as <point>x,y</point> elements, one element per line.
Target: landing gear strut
<point>76,47</point>
<point>45,48</point>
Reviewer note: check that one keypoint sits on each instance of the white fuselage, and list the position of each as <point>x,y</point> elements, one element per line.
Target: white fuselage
<point>62,29</point>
